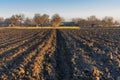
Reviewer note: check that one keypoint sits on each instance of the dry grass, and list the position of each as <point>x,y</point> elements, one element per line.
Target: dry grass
<point>65,27</point>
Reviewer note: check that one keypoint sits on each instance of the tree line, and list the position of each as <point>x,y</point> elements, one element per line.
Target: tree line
<point>37,20</point>
<point>93,21</point>
<point>56,20</point>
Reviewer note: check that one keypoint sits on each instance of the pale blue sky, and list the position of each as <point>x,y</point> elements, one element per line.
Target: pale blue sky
<point>66,8</point>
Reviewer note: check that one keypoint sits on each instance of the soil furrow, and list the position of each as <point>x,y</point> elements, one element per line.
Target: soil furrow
<point>17,61</point>
<point>19,47</point>
<point>63,58</point>
<point>22,50</point>
<point>29,35</point>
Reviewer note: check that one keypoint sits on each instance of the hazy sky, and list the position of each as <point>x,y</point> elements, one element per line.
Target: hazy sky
<point>66,8</point>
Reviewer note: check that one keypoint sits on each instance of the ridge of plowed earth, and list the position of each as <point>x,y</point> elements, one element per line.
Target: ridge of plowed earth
<point>11,54</point>
<point>46,59</point>
<point>92,59</point>
<point>60,55</point>
<point>18,57</point>
<point>13,39</point>
<point>4,48</point>
<point>42,66</point>
<point>13,46</point>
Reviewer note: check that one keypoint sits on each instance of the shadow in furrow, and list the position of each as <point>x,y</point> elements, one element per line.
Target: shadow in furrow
<point>63,58</point>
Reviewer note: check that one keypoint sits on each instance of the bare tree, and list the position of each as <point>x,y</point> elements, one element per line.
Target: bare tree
<point>13,21</point>
<point>37,19</point>
<point>92,18</point>
<point>41,19</point>
<point>44,19</point>
<point>20,18</point>
<point>56,20</point>
<point>1,21</point>
<point>116,23</point>
<point>1,18</point>
<point>92,21</point>
<point>107,21</point>
<point>29,22</point>
<point>79,22</point>
<point>16,20</point>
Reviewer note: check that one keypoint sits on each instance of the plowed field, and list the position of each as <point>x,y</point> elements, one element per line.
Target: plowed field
<point>56,54</point>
